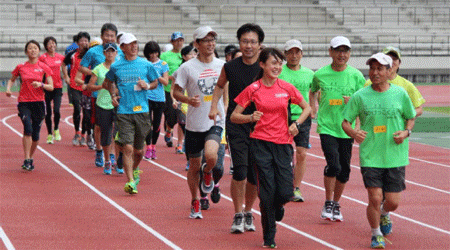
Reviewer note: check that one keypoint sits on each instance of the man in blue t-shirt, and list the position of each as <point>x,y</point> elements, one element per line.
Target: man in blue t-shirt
<point>90,60</point>
<point>132,76</point>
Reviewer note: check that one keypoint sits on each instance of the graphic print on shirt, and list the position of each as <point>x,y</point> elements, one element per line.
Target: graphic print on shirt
<point>207,80</point>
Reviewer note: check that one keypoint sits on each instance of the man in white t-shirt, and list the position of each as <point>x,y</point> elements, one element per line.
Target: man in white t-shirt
<point>198,77</point>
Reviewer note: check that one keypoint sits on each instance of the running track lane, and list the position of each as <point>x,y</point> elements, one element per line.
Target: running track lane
<point>169,193</point>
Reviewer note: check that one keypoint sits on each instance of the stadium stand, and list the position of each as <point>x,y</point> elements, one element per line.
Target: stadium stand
<point>417,27</point>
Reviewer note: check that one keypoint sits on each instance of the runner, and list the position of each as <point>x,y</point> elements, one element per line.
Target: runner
<point>387,118</point>
<point>240,73</point>
<point>272,137</point>
<point>35,77</point>
<point>228,52</point>
<point>336,83</point>
<point>301,77</point>
<point>198,77</point>
<point>74,59</point>
<point>94,57</point>
<point>396,79</point>
<point>173,59</point>
<point>55,62</point>
<point>132,76</point>
<point>105,114</point>
<point>156,97</point>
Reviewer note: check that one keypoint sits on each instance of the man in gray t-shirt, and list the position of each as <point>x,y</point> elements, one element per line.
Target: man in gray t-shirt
<point>198,77</point>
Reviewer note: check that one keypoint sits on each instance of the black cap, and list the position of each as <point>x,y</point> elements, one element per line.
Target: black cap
<point>230,48</point>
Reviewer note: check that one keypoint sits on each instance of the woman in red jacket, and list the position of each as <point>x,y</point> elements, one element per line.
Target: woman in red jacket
<point>35,77</point>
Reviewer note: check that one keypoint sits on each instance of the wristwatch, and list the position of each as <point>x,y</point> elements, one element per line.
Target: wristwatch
<point>297,124</point>
<point>409,132</point>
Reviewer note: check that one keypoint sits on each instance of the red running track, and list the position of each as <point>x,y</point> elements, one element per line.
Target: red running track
<point>67,203</point>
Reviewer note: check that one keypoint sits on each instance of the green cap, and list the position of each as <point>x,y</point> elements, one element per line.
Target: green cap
<point>393,50</point>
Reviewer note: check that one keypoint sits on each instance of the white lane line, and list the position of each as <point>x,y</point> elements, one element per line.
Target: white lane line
<point>352,199</point>
<point>309,236</point>
<point>6,240</point>
<point>323,158</point>
<point>412,158</point>
<point>95,190</point>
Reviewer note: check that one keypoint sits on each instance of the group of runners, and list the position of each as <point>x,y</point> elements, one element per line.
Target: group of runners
<point>259,102</point>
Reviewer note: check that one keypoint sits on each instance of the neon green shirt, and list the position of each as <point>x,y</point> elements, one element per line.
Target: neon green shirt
<point>174,61</point>
<point>104,98</point>
<point>302,80</point>
<point>412,91</point>
<point>381,115</point>
<point>333,85</point>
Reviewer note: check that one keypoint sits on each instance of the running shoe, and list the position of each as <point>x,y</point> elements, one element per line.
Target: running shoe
<point>130,188</point>
<point>179,149</point>
<point>269,245</point>
<point>327,211</point>
<point>168,139</point>
<point>107,168</point>
<point>337,215</point>
<point>76,140</point>
<point>248,222</point>
<point>215,194</point>
<point>154,154</point>
<point>385,224</point>
<point>49,139</point>
<point>204,203</point>
<point>57,135</point>
<point>378,242</point>
<point>187,166</point>
<point>118,170</point>
<point>207,182</point>
<point>279,213</point>
<point>297,195</point>
<point>90,142</point>
<point>136,175</point>
<point>83,141</point>
<point>238,224</point>
<point>148,153</point>
<point>196,213</point>
<point>99,158</point>
<point>31,166</point>
<point>27,164</point>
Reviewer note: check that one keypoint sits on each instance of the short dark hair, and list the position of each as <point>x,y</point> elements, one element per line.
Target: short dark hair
<point>264,56</point>
<point>48,39</point>
<point>151,47</point>
<point>251,27</point>
<point>82,34</point>
<point>75,38</point>
<point>229,48</point>
<point>32,41</point>
<point>108,26</point>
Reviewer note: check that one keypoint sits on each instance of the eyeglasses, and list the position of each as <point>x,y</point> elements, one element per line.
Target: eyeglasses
<point>252,42</point>
<point>341,50</point>
<point>208,40</point>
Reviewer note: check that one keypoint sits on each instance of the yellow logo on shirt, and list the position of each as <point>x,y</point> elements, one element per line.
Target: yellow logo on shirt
<point>335,102</point>
<point>137,108</point>
<point>207,98</point>
<point>379,129</point>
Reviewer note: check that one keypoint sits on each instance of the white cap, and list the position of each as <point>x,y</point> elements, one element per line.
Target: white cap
<point>340,41</point>
<point>382,58</point>
<point>203,31</point>
<point>167,47</point>
<point>127,38</point>
<point>293,44</point>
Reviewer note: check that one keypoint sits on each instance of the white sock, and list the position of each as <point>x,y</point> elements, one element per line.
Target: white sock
<point>383,212</point>
<point>376,231</point>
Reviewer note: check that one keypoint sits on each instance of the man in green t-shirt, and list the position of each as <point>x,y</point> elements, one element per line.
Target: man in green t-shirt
<point>387,116</point>
<point>301,77</point>
<point>336,83</point>
<point>173,59</point>
<point>396,79</point>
